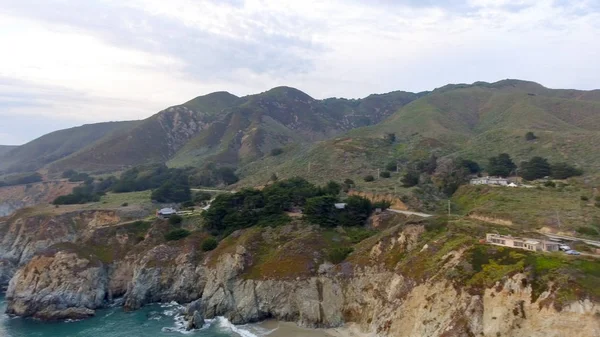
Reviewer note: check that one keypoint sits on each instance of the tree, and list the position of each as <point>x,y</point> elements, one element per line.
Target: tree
<point>391,166</point>
<point>274,177</point>
<point>209,244</point>
<point>390,138</point>
<point>276,152</point>
<point>321,211</point>
<point>502,165</point>
<point>369,178</point>
<point>411,178</point>
<point>530,136</point>
<point>332,188</point>
<point>177,234</point>
<point>472,166</point>
<point>563,171</point>
<point>356,212</point>
<point>535,168</point>
<point>227,175</point>
<point>201,197</point>
<point>449,175</point>
<point>385,174</point>
<point>175,219</point>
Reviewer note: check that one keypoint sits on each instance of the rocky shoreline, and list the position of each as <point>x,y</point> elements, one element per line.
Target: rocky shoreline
<point>52,278</point>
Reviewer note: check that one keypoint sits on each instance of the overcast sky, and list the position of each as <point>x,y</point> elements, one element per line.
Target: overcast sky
<point>70,62</point>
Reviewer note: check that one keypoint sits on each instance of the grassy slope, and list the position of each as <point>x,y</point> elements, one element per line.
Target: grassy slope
<point>6,148</point>
<point>154,139</point>
<point>59,144</point>
<point>559,209</point>
<point>279,117</point>
<point>473,121</point>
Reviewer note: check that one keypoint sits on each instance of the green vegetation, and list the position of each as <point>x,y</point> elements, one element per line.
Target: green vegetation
<point>564,171</point>
<point>21,179</point>
<point>391,166</point>
<point>529,136</point>
<point>276,151</point>
<point>338,254</point>
<point>528,208</point>
<point>209,244</point>
<point>501,165</point>
<point>75,176</point>
<point>175,220</point>
<point>385,174</point>
<point>369,178</point>
<point>177,234</point>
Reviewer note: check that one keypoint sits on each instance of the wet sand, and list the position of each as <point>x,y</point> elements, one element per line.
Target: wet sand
<point>287,329</point>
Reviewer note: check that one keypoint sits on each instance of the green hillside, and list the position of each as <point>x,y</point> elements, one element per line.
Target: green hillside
<point>57,145</point>
<point>473,121</point>
<point>282,116</point>
<point>6,148</point>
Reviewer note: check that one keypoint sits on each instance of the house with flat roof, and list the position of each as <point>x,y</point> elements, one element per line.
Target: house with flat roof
<point>166,212</point>
<point>534,245</point>
<point>490,181</point>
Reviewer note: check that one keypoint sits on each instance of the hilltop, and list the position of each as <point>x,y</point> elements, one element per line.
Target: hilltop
<point>474,121</point>
<point>219,127</point>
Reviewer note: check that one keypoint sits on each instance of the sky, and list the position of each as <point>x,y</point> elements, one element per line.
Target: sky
<point>70,62</point>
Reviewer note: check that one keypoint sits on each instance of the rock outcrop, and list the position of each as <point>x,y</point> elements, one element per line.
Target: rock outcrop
<point>265,273</point>
<point>61,286</point>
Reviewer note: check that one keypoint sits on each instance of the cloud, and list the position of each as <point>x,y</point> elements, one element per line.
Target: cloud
<point>124,59</point>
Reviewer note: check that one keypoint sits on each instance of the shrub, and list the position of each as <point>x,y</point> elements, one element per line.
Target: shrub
<point>530,136</point>
<point>550,183</point>
<point>339,254</point>
<point>410,179</point>
<point>349,182</point>
<point>584,198</point>
<point>201,197</point>
<point>564,171</point>
<point>369,178</point>
<point>383,205</point>
<point>391,166</point>
<point>125,204</point>
<point>175,219</point>
<point>587,231</point>
<point>177,234</point>
<point>188,204</point>
<point>385,174</point>
<point>276,152</point>
<point>209,244</point>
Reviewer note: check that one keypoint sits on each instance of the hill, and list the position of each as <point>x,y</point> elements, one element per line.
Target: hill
<point>56,145</point>
<point>279,117</point>
<point>226,129</point>
<point>6,148</point>
<point>475,121</point>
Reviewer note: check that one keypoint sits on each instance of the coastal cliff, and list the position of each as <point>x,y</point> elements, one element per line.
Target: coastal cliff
<point>406,278</point>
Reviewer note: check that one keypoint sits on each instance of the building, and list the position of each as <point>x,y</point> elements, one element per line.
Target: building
<point>340,205</point>
<point>489,181</point>
<point>533,245</point>
<point>166,212</point>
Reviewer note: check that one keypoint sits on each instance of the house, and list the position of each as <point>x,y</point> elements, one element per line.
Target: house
<point>166,212</point>
<point>489,181</point>
<point>533,245</point>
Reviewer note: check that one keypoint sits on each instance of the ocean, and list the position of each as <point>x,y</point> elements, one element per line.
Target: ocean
<point>159,320</point>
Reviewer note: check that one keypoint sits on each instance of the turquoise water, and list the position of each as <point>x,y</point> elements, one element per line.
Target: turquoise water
<point>156,320</point>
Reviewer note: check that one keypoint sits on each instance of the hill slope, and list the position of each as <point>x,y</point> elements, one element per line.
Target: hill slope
<point>226,129</point>
<point>6,148</point>
<point>279,117</point>
<point>475,121</point>
<point>56,145</point>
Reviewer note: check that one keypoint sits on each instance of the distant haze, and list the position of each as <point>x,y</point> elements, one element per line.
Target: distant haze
<point>66,63</point>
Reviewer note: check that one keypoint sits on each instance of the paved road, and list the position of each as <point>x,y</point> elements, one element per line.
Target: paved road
<point>572,238</point>
<point>423,215</point>
<point>209,190</point>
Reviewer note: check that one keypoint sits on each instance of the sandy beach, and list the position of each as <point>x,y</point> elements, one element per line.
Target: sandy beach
<point>273,328</point>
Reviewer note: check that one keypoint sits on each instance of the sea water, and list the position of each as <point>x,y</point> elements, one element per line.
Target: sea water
<point>162,320</point>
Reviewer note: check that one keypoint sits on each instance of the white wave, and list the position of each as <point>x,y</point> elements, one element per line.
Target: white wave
<point>226,325</point>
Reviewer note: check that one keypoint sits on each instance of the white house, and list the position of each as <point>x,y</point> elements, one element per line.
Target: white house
<point>166,212</point>
<point>490,181</point>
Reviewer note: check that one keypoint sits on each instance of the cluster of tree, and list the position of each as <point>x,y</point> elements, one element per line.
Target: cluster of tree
<point>75,176</point>
<point>212,175</point>
<point>89,191</point>
<point>21,179</point>
<point>175,189</point>
<point>450,172</point>
<point>501,165</point>
<point>538,167</point>
<point>250,207</point>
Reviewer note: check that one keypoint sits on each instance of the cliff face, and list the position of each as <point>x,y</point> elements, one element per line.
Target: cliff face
<point>13,198</point>
<point>283,273</point>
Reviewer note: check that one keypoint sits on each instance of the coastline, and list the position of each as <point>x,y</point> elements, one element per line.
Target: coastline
<point>273,328</point>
